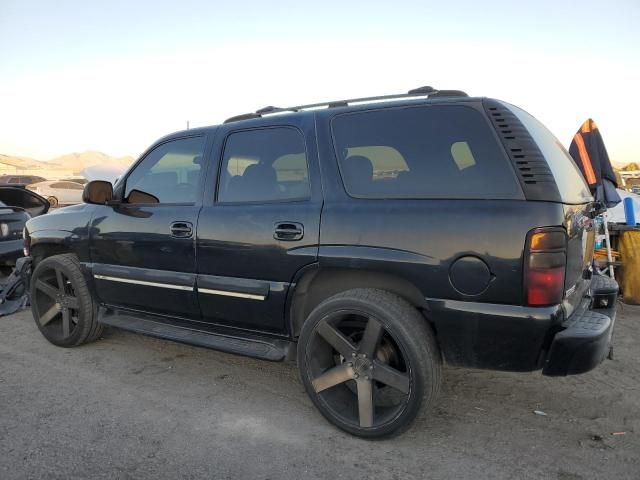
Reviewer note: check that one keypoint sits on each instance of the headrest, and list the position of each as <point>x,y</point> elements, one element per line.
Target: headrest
<point>260,172</point>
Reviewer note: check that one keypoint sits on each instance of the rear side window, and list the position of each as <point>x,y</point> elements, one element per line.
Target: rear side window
<point>440,151</point>
<point>264,165</point>
<point>571,184</point>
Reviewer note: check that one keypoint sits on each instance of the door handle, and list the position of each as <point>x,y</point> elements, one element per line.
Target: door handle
<point>288,231</point>
<point>181,229</point>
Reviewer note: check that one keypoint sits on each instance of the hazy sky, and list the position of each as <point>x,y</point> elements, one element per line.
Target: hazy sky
<point>116,75</point>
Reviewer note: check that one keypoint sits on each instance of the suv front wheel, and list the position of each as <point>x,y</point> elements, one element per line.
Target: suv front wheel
<point>369,362</point>
<point>61,302</point>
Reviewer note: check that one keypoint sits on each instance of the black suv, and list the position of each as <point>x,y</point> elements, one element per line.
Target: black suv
<point>372,238</point>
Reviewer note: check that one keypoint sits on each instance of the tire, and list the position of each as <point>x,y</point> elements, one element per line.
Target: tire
<point>369,395</point>
<point>53,202</point>
<point>61,303</point>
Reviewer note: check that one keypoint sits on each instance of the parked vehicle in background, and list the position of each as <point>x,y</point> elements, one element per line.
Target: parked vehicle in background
<point>81,180</point>
<point>635,189</point>
<point>17,205</point>
<point>20,179</point>
<point>58,192</point>
<point>371,239</point>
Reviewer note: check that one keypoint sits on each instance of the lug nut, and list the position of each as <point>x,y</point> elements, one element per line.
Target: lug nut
<point>371,367</point>
<point>366,377</point>
<point>356,376</point>
<point>364,355</point>
<point>350,364</point>
<point>353,354</point>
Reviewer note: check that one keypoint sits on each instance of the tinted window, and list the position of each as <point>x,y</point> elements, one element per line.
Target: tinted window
<point>264,165</point>
<point>31,179</point>
<point>571,183</point>
<point>57,185</point>
<point>422,152</point>
<point>70,186</point>
<point>170,172</point>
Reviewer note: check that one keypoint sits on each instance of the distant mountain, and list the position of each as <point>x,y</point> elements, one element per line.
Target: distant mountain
<point>629,167</point>
<point>79,161</point>
<point>21,162</point>
<point>63,166</point>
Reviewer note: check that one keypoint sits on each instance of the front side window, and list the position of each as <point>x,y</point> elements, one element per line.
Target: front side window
<point>168,174</point>
<point>439,151</point>
<point>264,165</point>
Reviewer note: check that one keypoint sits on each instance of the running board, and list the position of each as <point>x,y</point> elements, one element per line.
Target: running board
<point>264,348</point>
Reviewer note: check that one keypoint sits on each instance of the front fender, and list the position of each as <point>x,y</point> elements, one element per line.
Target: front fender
<point>45,243</point>
<point>65,230</point>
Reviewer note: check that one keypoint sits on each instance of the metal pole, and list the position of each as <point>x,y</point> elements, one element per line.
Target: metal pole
<point>607,243</point>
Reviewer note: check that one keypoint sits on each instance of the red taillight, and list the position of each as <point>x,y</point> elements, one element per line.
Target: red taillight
<point>545,287</point>
<point>545,265</point>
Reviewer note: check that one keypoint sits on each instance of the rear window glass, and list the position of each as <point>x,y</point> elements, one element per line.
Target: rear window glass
<point>571,184</point>
<point>440,151</point>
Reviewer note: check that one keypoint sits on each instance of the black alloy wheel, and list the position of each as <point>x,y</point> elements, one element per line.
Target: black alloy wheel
<point>364,362</point>
<point>61,303</point>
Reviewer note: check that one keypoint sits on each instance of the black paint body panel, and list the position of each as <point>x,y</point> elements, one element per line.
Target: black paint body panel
<point>138,238</point>
<point>441,232</point>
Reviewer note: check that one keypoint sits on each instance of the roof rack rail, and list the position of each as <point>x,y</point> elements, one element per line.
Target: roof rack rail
<point>416,92</point>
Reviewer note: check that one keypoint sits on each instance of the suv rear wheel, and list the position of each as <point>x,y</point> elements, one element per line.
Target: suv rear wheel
<point>61,302</point>
<point>369,362</point>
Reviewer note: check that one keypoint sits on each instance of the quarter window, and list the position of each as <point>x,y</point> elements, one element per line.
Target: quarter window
<point>446,151</point>
<point>264,165</point>
<point>170,173</point>
<point>571,183</point>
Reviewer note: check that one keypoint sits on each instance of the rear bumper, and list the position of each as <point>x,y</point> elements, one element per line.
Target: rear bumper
<point>585,339</point>
<point>521,338</point>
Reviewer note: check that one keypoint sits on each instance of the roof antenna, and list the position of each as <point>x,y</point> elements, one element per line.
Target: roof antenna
<point>187,124</point>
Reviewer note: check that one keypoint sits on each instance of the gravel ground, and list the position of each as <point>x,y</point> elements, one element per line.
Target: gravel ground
<point>134,407</point>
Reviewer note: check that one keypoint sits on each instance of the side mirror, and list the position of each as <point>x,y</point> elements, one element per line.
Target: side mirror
<point>98,192</point>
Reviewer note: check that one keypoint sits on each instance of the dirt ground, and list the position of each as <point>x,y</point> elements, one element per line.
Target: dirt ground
<point>134,407</point>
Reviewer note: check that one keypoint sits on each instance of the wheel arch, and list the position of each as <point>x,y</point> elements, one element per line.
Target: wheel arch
<point>46,243</point>
<point>315,284</point>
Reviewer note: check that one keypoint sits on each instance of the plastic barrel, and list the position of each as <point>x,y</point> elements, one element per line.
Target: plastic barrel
<point>629,245</point>
<point>629,211</point>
